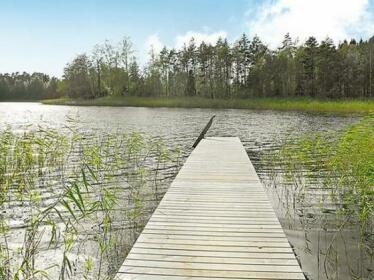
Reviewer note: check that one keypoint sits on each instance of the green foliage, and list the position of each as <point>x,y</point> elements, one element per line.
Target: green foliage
<point>344,106</point>
<point>78,78</point>
<point>346,167</point>
<point>325,184</point>
<point>71,187</point>
<point>352,159</point>
<point>25,86</point>
<point>242,70</point>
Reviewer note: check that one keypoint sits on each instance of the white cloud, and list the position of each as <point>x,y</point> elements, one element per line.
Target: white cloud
<point>338,19</point>
<point>153,41</point>
<point>199,37</point>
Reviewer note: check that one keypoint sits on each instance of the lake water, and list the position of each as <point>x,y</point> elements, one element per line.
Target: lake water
<point>260,132</point>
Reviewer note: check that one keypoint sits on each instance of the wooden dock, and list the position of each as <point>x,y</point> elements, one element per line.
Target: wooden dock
<point>214,222</point>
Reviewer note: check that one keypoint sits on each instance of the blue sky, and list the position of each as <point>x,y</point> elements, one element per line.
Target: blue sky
<point>44,35</point>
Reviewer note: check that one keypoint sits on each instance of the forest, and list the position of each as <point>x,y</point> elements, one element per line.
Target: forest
<point>243,69</point>
<point>25,86</point>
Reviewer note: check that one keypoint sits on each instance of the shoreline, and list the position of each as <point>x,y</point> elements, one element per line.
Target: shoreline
<point>343,106</point>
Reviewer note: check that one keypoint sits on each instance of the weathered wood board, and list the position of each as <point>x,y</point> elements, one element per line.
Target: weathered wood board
<point>214,222</point>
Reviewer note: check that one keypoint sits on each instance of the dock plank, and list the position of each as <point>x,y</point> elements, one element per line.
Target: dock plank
<point>214,222</point>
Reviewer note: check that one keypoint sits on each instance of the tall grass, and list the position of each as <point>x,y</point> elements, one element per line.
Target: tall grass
<point>73,203</point>
<point>336,172</point>
<point>343,106</point>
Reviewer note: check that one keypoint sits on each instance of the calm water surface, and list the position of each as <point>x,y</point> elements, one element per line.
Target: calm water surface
<point>260,132</point>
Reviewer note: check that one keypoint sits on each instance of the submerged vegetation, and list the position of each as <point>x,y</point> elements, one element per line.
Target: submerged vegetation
<point>345,106</point>
<point>336,172</point>
<point>73,203</point>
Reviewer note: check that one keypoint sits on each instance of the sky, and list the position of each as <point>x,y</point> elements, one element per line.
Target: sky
<point>44,35</point>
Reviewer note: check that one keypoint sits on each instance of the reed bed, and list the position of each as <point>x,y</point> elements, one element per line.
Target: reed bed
<point>325,181</point>
<point>72,203</point>
<point>340,106</point>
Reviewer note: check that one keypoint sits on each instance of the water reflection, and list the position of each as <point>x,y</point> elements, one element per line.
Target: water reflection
<point>309,230</point>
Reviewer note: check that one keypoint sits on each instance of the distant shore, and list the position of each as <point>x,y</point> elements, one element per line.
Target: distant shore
<point>344,106</point>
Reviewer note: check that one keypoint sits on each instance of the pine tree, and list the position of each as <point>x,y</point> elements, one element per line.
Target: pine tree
<point>307,57</point>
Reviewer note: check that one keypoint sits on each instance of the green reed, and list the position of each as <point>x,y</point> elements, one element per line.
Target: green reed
<point>75,192</point>
<point>342,165</point>
<point>343,106</point>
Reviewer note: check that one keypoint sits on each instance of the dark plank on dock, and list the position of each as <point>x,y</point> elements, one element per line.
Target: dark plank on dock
<point>214,222</point>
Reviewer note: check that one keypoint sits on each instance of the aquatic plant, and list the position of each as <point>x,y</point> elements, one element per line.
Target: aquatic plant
<point>80,195</point>
<point>343,106</point>
<point>336,172</point>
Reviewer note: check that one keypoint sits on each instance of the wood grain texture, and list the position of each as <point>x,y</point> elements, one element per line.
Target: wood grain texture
<point>214,222</point>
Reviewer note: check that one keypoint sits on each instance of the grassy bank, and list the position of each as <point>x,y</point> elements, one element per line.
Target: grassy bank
<point>286,104</point>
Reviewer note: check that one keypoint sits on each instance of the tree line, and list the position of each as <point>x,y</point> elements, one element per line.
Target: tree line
<point>244,69</point>
<point>25,86</point>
